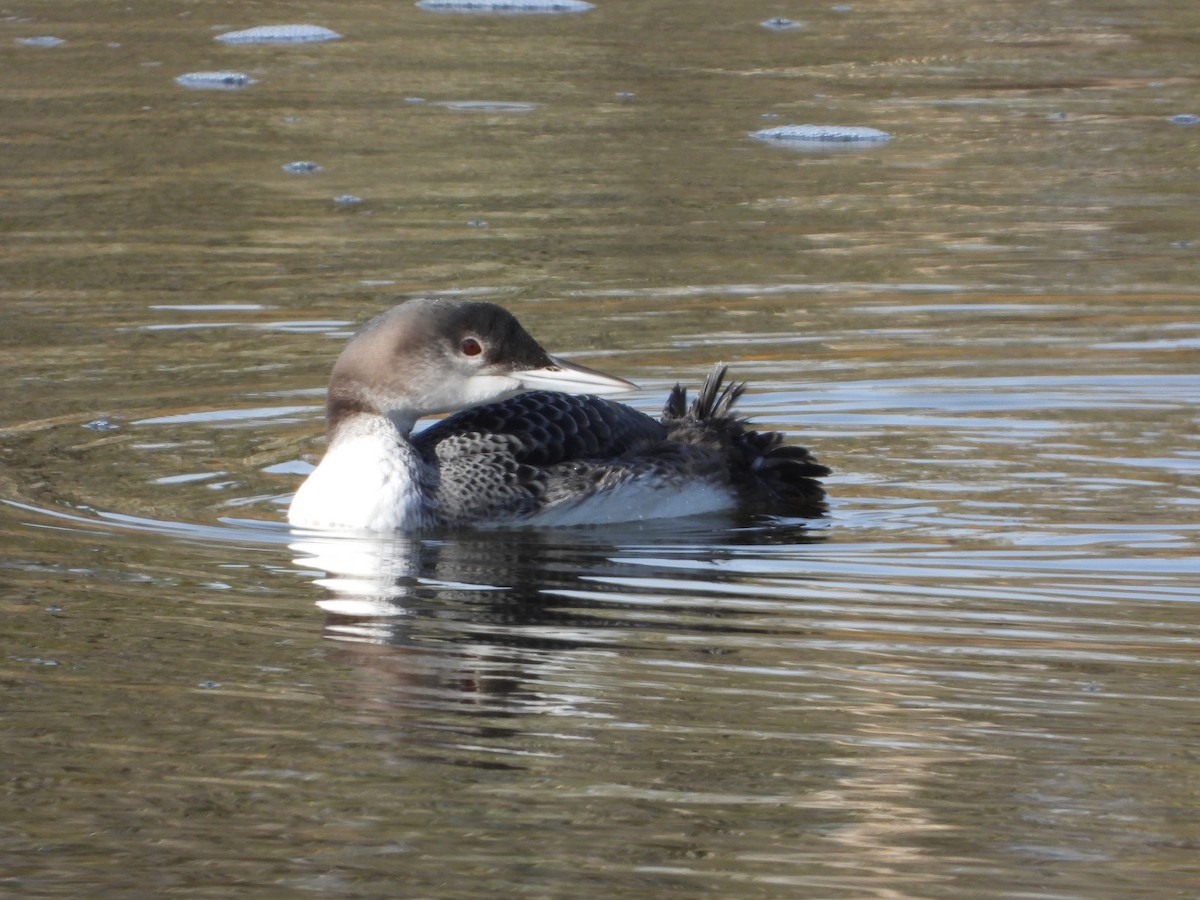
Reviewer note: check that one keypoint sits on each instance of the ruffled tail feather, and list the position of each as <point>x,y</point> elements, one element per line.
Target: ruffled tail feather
<point>764,470</point>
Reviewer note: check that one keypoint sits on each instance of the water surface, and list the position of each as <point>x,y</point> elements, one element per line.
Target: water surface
<point>974,677</point>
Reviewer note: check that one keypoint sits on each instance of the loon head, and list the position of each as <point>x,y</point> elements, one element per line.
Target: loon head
<point>436,356</point>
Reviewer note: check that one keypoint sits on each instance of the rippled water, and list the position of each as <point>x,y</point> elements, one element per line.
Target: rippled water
<point>974,677</point>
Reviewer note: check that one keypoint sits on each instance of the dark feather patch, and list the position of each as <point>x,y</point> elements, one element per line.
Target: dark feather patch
<point>512,459</point>
<point>765,472</point>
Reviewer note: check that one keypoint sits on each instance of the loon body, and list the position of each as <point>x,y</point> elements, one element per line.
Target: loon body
<point>530,443</point>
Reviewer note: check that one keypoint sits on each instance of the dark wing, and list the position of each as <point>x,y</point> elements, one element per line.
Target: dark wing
<point>493,460</point>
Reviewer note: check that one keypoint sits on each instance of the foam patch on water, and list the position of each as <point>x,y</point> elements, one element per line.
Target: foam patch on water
<point>822,135</point>
<point>44,40</point>
<point>492,106</point>
<point>215,81</point>
<point>279,34</point>
<point>513,7</point>
<point>303,167</point>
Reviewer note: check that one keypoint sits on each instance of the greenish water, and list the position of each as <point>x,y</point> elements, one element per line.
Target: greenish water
<point>975,677</point>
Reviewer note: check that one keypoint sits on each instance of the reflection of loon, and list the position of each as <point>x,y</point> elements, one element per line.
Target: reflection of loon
<point>541,458</point>
<point>487,621</point>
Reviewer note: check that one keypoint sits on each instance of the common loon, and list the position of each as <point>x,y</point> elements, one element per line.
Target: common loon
<point>513,458</point>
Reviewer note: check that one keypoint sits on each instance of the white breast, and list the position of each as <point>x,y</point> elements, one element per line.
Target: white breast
<point>368,479</point>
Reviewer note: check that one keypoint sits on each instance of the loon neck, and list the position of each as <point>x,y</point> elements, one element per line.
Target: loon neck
<point>345,410</point>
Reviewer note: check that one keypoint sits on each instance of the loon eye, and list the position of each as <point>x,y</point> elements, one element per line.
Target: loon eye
<point>470,347</point>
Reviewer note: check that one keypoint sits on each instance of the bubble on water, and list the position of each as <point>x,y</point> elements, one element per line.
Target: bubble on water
<point>215,81</point>
<point>347,199</point>
<point>781,24</point>
<point>303,167</point>
<point>822,135</point>
<point>279,34</point>
<point>1185,119</point>
<point>100,425</point>
<point>44,40</point>
<point>514,7</point>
